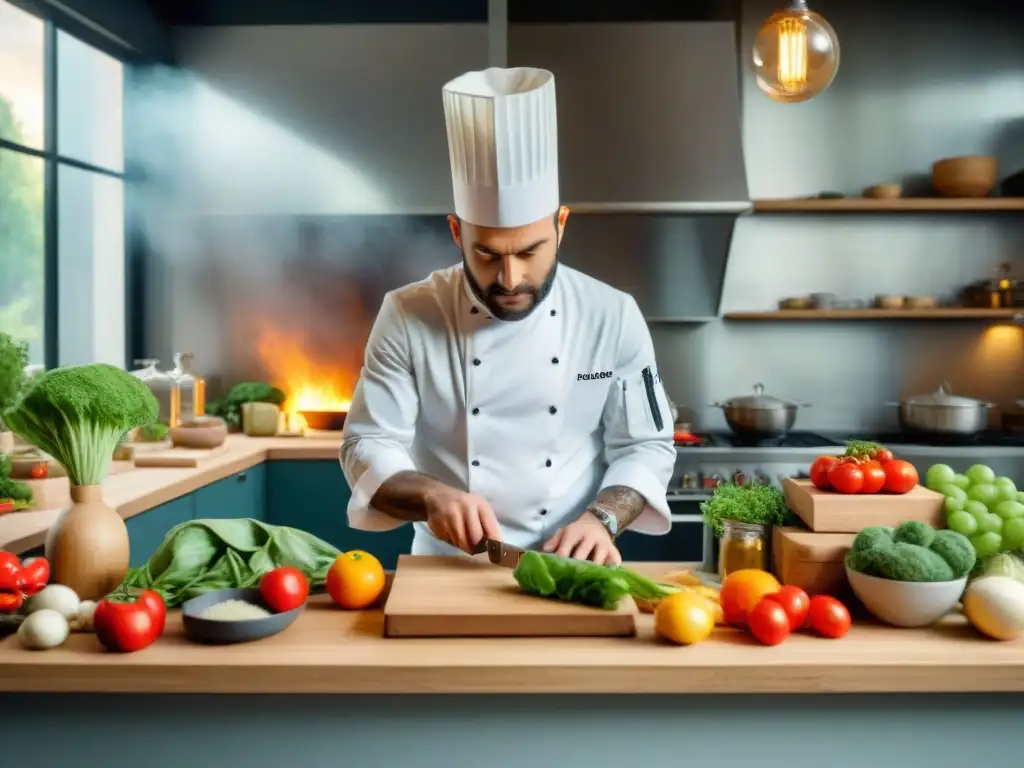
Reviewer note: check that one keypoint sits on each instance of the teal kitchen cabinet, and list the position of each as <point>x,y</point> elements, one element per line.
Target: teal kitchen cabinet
<point>683,543</point>
<point>146,530</point>
<point>313,496</point>
<point>243,494</point>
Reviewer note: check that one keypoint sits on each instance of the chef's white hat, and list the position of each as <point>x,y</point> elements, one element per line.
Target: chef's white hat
<point>503,144</point>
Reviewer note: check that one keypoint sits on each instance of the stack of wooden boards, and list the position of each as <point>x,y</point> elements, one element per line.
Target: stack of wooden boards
<point>812,558</point>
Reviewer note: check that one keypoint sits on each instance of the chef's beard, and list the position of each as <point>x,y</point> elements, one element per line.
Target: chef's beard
<point>488,296</point>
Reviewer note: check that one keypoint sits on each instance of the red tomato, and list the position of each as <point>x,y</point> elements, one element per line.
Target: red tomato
<point>874,477</point>
<point>284,589</point>
<point>795,603</point>
<point>883,454</point>
<point>39,471</point>
<point>846,477</point>
<point>768,622</point>
<point>820,469</point>
<point>132,624</point>
<point>900,476</point>
<point>828,616</point>
<point>9,563</point>
<point>34,574</point>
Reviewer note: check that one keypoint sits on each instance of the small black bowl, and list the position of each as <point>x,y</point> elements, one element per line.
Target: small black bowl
<point>222,632</point>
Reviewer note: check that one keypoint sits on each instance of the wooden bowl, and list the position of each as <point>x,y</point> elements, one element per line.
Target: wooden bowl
<point>201,433</point>
<point>884,192</point>
<point>324,421</point>
<point>969,176</point>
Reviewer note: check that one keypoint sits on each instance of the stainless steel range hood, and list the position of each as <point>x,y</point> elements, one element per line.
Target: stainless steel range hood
<point>648,113</point>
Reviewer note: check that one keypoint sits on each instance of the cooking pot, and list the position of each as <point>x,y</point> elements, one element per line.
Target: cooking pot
<point>759,415</point>
<point>943,413</point>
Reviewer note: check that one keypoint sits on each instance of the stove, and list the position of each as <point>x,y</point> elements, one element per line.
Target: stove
<point>727,439</point>
<point>986,439</point>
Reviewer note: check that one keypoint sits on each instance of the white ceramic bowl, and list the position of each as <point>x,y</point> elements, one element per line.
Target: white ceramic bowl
<point>906,603</point>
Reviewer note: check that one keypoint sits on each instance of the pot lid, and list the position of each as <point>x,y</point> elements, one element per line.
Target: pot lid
<point>944,396</point>
<point>758,401</point>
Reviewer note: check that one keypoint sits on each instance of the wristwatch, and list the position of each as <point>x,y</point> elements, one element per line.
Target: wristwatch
<point>606,518</point>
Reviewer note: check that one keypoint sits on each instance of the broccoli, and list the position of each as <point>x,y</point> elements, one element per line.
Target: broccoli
<point>915,532</point>
<point>913,552</point>
<point>79,414</point>
<point>153,433</point>
<point>10,488</point>
<point>230,408</point>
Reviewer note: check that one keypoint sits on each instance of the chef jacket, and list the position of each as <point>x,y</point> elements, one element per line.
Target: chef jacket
<point>536,416</point>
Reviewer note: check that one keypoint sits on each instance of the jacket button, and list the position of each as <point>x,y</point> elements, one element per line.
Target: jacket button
<point>543,511</point>
<point>554,361</point>
<point>552,410</point>
<point>547,463</point>
<point>552,313</point>
<point>474,311</point>
<point>476,411</point>
<point>476,463</point>
<point>476,361</point>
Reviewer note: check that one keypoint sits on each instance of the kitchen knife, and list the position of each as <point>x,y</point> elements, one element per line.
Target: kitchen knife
<point>499,553</point>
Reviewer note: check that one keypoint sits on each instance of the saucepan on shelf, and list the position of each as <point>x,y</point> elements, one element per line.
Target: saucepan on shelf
<point>760,415</point>
<point>943,413</point>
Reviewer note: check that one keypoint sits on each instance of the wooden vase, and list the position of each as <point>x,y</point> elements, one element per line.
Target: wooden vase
<point>88,545</point>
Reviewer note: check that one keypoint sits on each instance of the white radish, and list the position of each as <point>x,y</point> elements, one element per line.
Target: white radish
<point>43,629</point>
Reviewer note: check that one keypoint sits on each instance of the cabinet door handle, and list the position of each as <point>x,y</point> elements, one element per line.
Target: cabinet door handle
<point>241,477</point>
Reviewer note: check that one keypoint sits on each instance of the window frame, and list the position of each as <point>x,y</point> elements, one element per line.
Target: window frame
<point>52,161</point>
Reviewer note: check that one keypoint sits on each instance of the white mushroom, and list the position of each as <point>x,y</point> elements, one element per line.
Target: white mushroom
<point>55,597</point>
<point>43,629</point>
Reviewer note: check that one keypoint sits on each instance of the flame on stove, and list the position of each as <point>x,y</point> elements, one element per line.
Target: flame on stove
<point>310,384</point>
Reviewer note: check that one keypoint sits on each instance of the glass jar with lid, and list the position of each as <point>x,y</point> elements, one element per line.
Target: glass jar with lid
<point>191,385</point>
<point>743,545</point>
<point>164,387</point>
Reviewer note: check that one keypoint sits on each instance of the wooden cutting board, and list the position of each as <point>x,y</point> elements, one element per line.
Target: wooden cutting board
<point>178,457</point>
<point>463,597</point>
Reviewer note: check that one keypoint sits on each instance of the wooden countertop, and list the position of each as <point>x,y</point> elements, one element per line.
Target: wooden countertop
<point>136,490</point>
<point>329,650</point>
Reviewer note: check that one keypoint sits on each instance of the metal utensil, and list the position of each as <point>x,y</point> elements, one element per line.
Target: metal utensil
<point>760,415</point>
<point>499,553</point>
<point>943,413</point>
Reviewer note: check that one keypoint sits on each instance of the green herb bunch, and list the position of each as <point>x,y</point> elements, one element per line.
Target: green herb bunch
<point>230,408</point>
<point>79,414</point>
<point>13,359</point>
<point>757,504</point>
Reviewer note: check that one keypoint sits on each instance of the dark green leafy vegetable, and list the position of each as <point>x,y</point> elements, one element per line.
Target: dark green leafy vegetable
<point>13,359</point>
<point>230,408</point>
<point>198,556</point>
<point>757,504</point>
<point>79,414</point>
<point>580,581</point>
<point>153,433</point>
<point>19,492</point>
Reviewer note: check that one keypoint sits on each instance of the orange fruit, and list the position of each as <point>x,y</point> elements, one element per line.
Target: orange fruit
<point>741,590</point>
<point>684,618</point>
<point>355,580</point>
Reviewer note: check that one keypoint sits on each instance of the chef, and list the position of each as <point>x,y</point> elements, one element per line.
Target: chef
<point>509,397</point>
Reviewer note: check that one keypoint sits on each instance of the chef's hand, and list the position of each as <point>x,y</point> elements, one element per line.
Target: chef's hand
<point>461,519</point>
<point>585,539</point>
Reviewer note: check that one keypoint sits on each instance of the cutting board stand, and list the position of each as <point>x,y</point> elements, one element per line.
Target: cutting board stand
<point>468,597</point>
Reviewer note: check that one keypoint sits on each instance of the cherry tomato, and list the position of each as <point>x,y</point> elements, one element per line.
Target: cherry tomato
<point>795,603</point>
<point>130,624</point>
<point>900,476</point>
<point>828,616</point>
<point>39,471</point>
<point>883,454</point>
<point>768,622</point>
<point>284,589</point>
<point>846,477</point>
<point>874,477</point>
<point>820,469</point>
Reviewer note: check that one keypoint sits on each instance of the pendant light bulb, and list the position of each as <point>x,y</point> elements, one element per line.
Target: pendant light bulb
<point>796,54</point>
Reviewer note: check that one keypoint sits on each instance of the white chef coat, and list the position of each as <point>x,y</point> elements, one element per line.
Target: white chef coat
<point>536,416</point>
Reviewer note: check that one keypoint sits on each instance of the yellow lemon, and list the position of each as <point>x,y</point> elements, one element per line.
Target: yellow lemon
<point>685,618</point>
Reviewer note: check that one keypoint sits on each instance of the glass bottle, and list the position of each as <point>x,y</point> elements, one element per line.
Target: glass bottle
<point>164,387</point>
<point>191,386</point>
<point>743,545</point>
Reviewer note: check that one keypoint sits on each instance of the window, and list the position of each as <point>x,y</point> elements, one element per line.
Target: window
<point>62,241</point>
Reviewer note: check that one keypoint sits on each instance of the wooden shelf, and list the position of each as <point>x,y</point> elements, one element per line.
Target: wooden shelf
<point>900,205</point>
<point>942,313</point>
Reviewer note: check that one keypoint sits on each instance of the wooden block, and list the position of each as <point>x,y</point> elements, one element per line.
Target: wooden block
<point>464,597</point>
<point>178,457</point>
<point>828,512</point>
<point>812,561</point>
